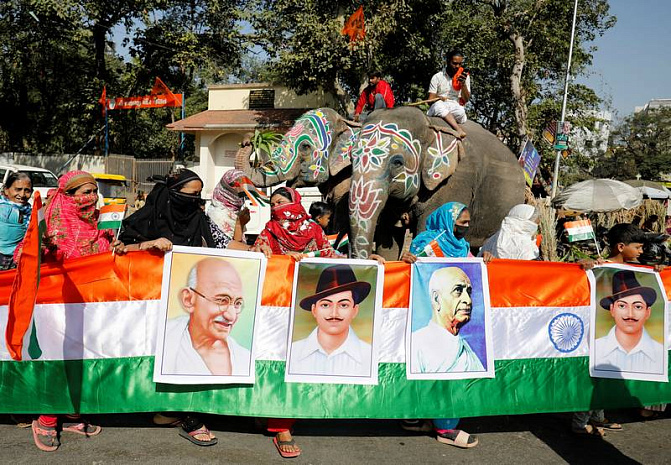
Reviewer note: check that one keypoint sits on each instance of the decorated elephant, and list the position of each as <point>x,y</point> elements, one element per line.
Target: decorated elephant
<point>404,161</point>
<point>314,152</point>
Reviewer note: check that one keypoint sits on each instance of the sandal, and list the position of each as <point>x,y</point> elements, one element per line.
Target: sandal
<point>45,437</point>
<point>588,430</point>
<point>417,426</point>
<point>457,438</point>
<point>287,455</point>
<point>192,427</point>
<point>83,427</point>
<point>165,420</point>
<point>607,425</point>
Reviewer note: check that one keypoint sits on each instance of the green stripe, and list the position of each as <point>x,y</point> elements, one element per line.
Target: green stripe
<point>125,385</point>
<point>109,225</point>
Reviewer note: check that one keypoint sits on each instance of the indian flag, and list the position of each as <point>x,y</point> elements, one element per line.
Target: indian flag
<point>579,230</point>
<point>255,196</point>
<point>96,321</point>
<point>432,249</point>
<point>111,216</point>
<point>344,241</point>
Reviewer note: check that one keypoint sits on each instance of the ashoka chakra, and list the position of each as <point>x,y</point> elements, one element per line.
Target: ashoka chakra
<point>566,331</point>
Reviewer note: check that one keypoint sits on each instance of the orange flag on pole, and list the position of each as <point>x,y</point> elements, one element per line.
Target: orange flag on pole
<point>27,279</point>
<point>103,99</point>
<point>355,26</point>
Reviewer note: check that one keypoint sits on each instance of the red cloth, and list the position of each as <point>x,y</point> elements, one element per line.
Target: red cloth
<point>49,420</point>
<point>368,96</point>
<point>279,425</point>
<point>290,230</point>
<point>72,221</point>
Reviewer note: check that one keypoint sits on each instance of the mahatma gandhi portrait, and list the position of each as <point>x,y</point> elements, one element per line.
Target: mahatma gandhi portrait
<point>200,342</point>
<point>333,348</point>
<point>438,347</point>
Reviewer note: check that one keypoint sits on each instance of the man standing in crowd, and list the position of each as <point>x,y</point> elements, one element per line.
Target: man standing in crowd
<point>376,95</point>
<point>200,343</point>
<point>453,89</point>
<point>438,348</point>
<point>333,348</point>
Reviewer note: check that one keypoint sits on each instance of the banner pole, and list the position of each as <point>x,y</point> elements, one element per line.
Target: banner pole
<point>106,131</point>
<point>181,134</point>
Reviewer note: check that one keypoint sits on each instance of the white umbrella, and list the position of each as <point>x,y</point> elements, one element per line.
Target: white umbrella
<point>652,193</point>
<point>599,195</point>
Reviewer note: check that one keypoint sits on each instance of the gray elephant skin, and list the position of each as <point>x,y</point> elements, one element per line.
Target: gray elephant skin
<point>401,163</point>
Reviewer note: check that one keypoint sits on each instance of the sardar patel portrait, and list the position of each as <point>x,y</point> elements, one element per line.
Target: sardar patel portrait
<point>438,347</point>
<point>333,348</point>
<point>200,342</point>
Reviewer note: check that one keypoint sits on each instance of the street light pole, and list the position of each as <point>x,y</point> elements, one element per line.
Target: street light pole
<point>555,178</point>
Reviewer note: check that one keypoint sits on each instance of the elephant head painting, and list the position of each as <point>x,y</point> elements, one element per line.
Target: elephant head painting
<point>400,157</point>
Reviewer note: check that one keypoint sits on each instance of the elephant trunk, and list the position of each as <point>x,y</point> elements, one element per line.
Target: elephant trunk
<point>366,201</point>
<point>261,176</point>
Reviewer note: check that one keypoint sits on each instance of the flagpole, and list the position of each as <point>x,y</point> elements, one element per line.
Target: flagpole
<point>118,231</point>
<point>106,131</point>
<point>555,178</point>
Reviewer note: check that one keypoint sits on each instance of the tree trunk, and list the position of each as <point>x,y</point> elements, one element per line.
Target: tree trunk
<point>516,85</point>
<point>99,36</point>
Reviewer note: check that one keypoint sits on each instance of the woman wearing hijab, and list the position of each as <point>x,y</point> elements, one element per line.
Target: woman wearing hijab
<point>14,216</point>
<point>447,226</point>
<point>171,215</point>
<point>72,219</point>
<point>290,231</point>
<point>517,237</point>
<point>226,213</point>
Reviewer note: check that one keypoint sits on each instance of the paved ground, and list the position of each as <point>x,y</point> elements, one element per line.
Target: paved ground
<point>508,439</point>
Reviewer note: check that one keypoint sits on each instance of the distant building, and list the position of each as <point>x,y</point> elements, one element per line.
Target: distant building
<point>592,142</point>
<point>654,104</point>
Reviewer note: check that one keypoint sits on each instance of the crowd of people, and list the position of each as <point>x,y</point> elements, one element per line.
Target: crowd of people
<point>173,213</point>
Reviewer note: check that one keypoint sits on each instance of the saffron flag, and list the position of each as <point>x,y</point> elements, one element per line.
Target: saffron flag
<point>26,282</point>
<point>579,230</point>
<point>432,249</point>
<point>111,216</point>
<point>355,27</point>
<point>103,99</point>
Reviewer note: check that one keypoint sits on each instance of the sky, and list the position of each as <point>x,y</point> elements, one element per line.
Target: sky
<point>632,63</point>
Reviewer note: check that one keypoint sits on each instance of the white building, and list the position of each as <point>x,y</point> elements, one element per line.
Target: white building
<point>592,142</point>
<point>654,104</point>
<point>234,110</point>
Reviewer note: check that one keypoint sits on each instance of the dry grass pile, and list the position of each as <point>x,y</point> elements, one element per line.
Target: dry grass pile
<point>636,215</point>
<point>548,228</point>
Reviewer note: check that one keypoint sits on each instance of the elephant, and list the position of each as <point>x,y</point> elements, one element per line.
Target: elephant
<point>314,152</point>
<point>404,161</point>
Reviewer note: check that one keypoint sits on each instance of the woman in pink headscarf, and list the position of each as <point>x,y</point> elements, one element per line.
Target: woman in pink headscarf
<point>227,214</point>
<point>72,219</point>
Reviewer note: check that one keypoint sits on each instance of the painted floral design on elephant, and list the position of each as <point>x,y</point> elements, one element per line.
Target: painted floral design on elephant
<point>364,201</point>
<point>440,155</point>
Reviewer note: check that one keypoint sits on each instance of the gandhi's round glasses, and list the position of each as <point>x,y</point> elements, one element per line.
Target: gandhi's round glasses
<point>224,302</point>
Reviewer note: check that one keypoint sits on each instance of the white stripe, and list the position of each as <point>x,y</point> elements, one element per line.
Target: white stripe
<point>128,329</point>
<point>580,230</point>
<point>110,216</point>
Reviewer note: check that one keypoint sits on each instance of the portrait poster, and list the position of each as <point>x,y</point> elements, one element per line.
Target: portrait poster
<point>335,321</point>
<point>628,339</point>
<point>449,332</point>
<point>209,302</point>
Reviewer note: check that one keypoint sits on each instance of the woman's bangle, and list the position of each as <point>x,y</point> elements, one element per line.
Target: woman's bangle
<point>140,247</point>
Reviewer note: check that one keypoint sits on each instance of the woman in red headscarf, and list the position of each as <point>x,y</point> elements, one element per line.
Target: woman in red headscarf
<point>72,219</point>
<point>290,231</point>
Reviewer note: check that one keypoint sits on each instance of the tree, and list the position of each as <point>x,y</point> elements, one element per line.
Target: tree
<point>644,140</point>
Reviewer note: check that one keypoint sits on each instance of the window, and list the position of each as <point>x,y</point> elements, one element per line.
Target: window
<point>260,99</point>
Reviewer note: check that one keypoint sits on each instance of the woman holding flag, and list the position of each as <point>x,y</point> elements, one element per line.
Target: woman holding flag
<point>446,228</point>
<point>14,216</point>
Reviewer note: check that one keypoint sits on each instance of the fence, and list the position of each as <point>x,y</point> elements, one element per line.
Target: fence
<point>137,171</point>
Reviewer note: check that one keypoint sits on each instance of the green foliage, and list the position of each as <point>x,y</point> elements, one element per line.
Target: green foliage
<point>264,141</point>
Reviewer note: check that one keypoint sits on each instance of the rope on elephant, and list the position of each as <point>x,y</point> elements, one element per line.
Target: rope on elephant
<point>421,102</point>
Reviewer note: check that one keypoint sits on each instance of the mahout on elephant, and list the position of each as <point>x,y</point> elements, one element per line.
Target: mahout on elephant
<point>412,163</point>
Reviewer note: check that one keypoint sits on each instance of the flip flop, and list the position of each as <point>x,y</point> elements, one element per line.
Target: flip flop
<point>588,430</point>
<point>607,425</point>
<point>457,438</point>
<point>45,438</point>
<point>165,420</point>
<point>191,436</point>
<point>286,455</point>
<point>83,428</point>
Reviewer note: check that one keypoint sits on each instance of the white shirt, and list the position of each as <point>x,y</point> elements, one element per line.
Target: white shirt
<point>352,358</point>
<point>436,350</point>
<point>180,358</point>
<point>646,357</point>
<point>441,85</point>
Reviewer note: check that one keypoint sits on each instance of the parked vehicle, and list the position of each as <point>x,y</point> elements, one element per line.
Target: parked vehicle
<point>112,187</point>
<point>43,180</point>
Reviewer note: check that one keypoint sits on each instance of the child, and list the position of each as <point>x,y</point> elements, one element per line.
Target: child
<point>321,213</point>
<point>625,242</point>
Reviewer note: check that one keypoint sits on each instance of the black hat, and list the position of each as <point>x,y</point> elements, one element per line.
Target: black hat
<point>626,284</point>
<point>334,279</point>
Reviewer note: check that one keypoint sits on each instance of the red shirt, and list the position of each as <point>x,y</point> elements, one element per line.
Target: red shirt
<point>368,96</point>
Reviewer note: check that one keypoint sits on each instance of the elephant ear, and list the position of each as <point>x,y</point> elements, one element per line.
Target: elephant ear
<point>440,159</point>
<point>341,155</point>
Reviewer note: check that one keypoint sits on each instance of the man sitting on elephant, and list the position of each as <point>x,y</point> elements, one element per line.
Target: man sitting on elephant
<point>453,89</point>
<point>375,96</point>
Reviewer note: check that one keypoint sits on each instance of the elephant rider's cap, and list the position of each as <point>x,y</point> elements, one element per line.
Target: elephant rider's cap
<point>334,279</point>
<point>626,284</point>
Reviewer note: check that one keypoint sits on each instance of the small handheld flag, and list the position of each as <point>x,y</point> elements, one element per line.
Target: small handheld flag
<point>111,216</point>
<point>432,249</point>
<point>255,196</point>
<point>579,230</point>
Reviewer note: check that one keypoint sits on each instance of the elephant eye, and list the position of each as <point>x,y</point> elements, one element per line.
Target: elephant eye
<point>305,146</point>
<point>396,161</point>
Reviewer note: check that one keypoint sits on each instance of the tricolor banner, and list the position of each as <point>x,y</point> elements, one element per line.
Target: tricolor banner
<point>579,230</point>
<point>96,323</point>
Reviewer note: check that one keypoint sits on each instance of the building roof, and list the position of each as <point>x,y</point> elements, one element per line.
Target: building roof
<point>212,120</point>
